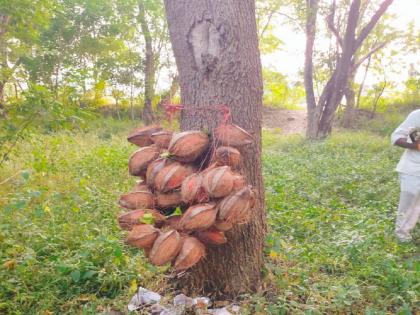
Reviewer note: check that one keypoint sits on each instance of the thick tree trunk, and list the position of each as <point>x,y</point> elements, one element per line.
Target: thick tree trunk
<point>216,50</point>
<point>149,68</point>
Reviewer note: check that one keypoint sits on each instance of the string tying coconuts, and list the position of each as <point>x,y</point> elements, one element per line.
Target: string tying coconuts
<point>191,192</point>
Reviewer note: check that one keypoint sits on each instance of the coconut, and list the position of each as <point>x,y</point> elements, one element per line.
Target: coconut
<point>198,217</point>
<point>168,200</point>
<point>172,176</point>
<point>130,219</point>
<point>140,186</point>
<point>239,182</point>
<point>165,248</point>
<point>141,136</point>
<point>137,200</point>
<point>191,188</point>
<point>222,225</point>
<point>227,156</point>
<point>191,252</point>
<point>232,135</point>
<point>140,159</point>
<point>212,236</point>
<point>153,169</point>
<point>218,182</point>
<point>187,146</point>
<point>236,207</point>
<point>142,236</point>
<point>173,221</point>
<point>162,138</point>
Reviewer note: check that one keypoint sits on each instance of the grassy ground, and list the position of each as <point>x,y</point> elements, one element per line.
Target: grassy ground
<point>330,249</point>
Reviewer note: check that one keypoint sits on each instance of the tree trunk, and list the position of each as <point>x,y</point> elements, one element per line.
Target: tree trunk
<point>149,68</point>
<point>359,93</point>
<point>375,103</point>
<point>215,45</point>
<point>2,107</point>
<point>349,113</point>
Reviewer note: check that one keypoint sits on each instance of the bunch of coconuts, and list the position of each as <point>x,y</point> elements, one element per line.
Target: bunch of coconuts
<point>191,192</point>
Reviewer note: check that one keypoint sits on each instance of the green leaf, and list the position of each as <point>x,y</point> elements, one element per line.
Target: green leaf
<point>147,219</point>
<point>75,275</point>
<point>89,274</point>
<point>26,175</point>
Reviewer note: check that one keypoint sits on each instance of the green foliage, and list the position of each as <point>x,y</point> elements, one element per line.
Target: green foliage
<point>279,92</point>
<point>330,249</point>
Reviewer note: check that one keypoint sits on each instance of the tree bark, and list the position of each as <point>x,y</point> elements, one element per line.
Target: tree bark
<point>149,67</point>
<point>349,113</point>
<point>215,45</point>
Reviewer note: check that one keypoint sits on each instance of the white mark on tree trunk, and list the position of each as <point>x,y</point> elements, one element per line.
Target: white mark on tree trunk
<point>205,41</point>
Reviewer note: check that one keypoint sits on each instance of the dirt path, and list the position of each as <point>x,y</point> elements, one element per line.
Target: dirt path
<point>289,121</point>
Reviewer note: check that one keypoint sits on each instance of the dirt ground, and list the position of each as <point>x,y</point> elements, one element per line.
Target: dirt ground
<point>289,121</point>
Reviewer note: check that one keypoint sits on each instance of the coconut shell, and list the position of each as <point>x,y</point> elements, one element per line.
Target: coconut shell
<point>165,248</point>
<point>140,186</point>
<point>218,182</point>
<point>239,182</point>
<point>227,156</point>
<point>222,225</point>
<point>141,136</point>
<point>232,135</point>
<point>168,200</point>
<point>192,251</point>
<point>153,169</point>
<point>140,159</point>
<point>173,221</point>
<point>162,138</point>
<point>142,236</point>
<point>236,207</point>
<point>212,236</point>
<point>187,146</point>
<point>191,188</point>
<point>198,217</point>
<point>137,200</point>
<point>130,219</point>
<point>172,176</point>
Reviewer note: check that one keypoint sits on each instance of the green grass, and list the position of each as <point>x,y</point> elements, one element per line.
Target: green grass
<point>331,207</point>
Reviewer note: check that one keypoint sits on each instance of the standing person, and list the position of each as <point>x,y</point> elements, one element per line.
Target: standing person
<point>409,171</point>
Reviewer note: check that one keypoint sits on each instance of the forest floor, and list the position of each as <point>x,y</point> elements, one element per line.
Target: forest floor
<point>289,121</point>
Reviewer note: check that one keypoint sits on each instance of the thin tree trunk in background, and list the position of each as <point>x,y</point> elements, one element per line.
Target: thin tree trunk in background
<point>349,112</point>
<point>149,69</point>
<point>359,93</point>
<point>215,45</point>
<point>131,102</point>
<point>375,103</point>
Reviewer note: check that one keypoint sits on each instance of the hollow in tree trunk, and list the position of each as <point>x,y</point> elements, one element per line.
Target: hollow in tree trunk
<point>215,45</point>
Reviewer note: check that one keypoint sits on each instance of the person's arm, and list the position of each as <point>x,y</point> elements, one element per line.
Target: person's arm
<point>400,136</point>
<point>403,143</point>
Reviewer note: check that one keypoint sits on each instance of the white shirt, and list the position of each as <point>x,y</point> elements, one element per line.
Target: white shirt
<point>410,161</point>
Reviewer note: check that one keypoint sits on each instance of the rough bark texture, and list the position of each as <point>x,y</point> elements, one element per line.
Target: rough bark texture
<point>216,50</point>
<point>149,68</point>
<point>322,112</point>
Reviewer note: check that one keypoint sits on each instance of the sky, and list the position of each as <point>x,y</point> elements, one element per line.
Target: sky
<point>290,58</point>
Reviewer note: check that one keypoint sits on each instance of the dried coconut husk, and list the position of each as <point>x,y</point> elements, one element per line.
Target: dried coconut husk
<point>198,217</point>
<point>130,219</point>
<point>140,186</point>
<point>165,248</point>
<point>142,236</point>
<point>172,176</point>
<point>141,136</point>
<point>191,188</point>
<point>239,182</point>
<point>137,200</point>
<point>236,207</point>
<point>173,221</point>
<point>140,159</point>
<point>162,138</point>
<point>218,182</point>
<point>192,251</point>
<point>228,156</point>
<point>232,135</point>
<point>212,236</point>
<point>168,200</point>
<point>187,146</point>
<point>154,168</point>
<point>222,225</point>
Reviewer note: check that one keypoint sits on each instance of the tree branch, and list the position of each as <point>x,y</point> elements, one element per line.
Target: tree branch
<point>368,27</point>
<point>369,54</point>
<point>331,26</point>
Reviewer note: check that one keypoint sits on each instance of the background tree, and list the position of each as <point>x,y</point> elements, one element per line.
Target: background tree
<point>215,45</point>
<point>321,111</point>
